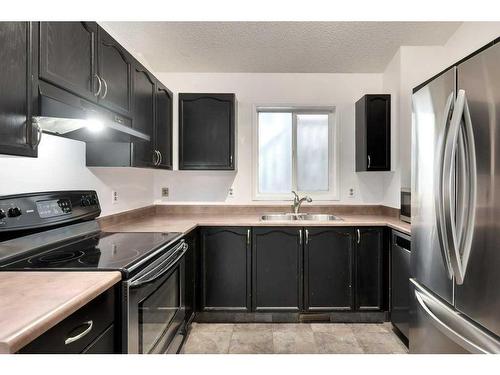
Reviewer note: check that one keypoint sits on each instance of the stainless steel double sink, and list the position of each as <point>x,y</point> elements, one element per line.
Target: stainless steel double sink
<point>299,217</point>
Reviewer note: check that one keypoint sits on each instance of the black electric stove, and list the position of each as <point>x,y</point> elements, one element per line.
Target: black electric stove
<point>58,231</point>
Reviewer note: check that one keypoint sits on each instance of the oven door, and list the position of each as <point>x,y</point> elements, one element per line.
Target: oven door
<point>155,307</point>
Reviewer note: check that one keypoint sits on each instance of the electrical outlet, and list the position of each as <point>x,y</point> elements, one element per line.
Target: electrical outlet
<point>351,193</point>
<point>114,197</point>
<point>231,192</point>
<point>164,192</point>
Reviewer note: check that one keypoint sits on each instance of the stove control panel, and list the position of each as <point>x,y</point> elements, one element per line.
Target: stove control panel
<point>32,211</point>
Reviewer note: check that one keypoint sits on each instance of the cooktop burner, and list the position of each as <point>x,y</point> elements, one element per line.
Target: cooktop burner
<point>104,250</point>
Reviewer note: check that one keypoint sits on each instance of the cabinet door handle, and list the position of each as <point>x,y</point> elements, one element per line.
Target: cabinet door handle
<point>71,339</point>
<point>38,132</point>
<point>369,162</point>
<point>105,88</point>
<point>161,158</point>
<point>155,157</point>
<point>248,237</point>
<point>98,87</point>
<point>300,236</point>
<point>231,159</point>
<point>358,235</point>
<point>307,236</point>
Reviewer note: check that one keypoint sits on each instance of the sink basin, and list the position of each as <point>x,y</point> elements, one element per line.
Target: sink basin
<point>296,217</point>
<point>321,217</point>
<point>282,217</point>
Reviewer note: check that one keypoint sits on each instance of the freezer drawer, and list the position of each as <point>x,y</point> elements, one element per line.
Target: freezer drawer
<point>437,328</point>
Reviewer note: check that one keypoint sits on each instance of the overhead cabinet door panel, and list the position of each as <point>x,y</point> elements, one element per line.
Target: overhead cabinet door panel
<point>67,56</point>
<point>206,126</point>
<point>144,91</point>
<point>15,84</point>
<point>163,130</point>
<point>115,73</point>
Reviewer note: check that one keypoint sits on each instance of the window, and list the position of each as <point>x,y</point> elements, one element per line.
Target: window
<point>295,149</point>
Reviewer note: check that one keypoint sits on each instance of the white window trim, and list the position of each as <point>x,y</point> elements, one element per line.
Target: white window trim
<point>333,158</point>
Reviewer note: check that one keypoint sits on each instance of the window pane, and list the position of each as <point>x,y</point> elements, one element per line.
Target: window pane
<point>275,152</point>
<point>312,153</point>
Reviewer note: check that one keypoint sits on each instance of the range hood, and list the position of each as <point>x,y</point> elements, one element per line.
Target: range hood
<point>66,115</point>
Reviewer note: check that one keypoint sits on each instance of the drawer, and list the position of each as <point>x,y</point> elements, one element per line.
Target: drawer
<point>77,331</point>
<point>104,344</point>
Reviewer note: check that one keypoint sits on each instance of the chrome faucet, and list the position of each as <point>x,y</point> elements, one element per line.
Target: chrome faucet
<point>297,201</point>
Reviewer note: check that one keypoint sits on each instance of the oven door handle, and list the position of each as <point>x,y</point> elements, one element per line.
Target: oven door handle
<point>147,280</point>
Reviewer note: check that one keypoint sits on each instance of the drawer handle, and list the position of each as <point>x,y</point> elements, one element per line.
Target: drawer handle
<point>69,340</point>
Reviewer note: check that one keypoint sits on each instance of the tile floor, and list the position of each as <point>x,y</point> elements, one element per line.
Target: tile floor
<point>303,338</point>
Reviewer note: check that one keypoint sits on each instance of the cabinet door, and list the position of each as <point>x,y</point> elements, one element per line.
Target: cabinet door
<point>67,56</point>
<point>206,131</point>
<point>144,113</point>
<point>163,126</point>
<point>328,268</point>
<point>16,136</point>
<point>378,132</point>
<point>277,269</point>
<point>226,271</point>
<point>115,73</point>
<point>369,268</point>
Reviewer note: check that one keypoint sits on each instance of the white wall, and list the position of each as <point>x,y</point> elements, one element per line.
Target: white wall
<point>61,166</point>
<point>340,90</point>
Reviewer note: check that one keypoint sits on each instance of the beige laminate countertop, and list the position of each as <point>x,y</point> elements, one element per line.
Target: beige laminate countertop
<point>33,302</point>
<point>186,222</point>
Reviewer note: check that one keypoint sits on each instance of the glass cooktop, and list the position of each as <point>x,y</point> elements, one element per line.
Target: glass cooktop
<point>105,250</point>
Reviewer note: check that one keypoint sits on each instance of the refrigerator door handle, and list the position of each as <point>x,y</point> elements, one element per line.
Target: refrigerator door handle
<point>438,194</point>
<point>467,163</point>
<point>453,325</point>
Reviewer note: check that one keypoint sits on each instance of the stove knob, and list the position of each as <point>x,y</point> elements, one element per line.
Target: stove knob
<point>2,214</point>
<point>14,212</point>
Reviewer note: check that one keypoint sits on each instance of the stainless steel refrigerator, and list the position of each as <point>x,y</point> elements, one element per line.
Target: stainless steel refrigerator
<point>455,257</point>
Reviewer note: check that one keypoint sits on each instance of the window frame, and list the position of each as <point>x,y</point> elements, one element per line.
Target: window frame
<point>333,152</point>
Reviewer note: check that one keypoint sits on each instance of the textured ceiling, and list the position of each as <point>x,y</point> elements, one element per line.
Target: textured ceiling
<point>275,47</point>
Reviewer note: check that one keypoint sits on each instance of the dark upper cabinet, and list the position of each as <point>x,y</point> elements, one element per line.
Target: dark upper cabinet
<point>144,117</point>
<point>328,262</point>
<point>373,133</point>
<point>277,269</point>
<point>369,269</point>
<point>226,269</point>
<point>115,73</point>
<point>68,57</point>
<point>17,134</point>
<point>207,131</point>
<point>163,126</point>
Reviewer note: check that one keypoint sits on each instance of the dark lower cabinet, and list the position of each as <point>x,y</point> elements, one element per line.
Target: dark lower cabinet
<point>190,273</point>
<point>277,269</point>
<point>369,269</point>
<point>16,131</point>
<point>328,263</point>
<point>90,329</point>
<point>226,269</point>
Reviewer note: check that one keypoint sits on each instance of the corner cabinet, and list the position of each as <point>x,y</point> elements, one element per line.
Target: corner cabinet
<point>369,267</point>
<point>18,136</point>
<point>373,133</point>
<point>226,269</point>
<point>277,269</point>
<point>328,259</point>
<point>207,131</point>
